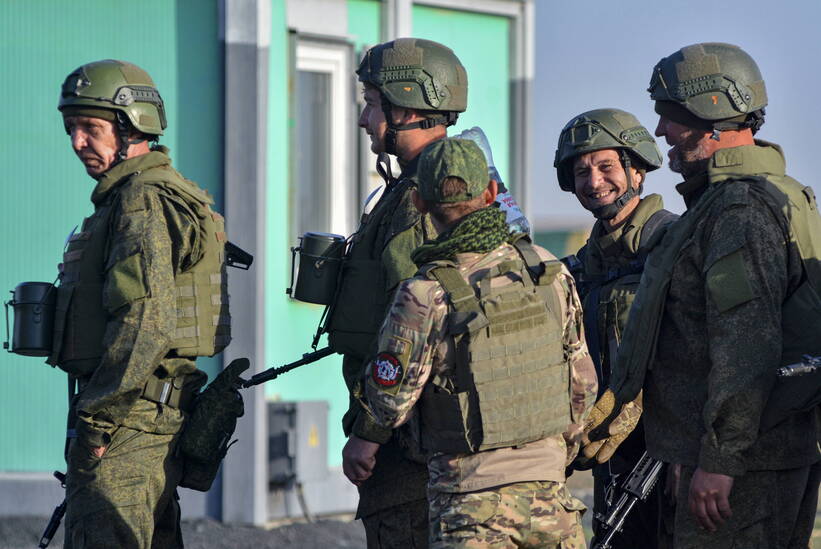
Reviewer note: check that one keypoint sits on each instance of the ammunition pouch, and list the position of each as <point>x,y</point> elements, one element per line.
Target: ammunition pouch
<point>169,391</point>
<point>207,434</point>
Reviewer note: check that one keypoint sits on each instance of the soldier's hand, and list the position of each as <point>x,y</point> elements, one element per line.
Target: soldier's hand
<point>98,451</point>
<point>611,429</point>
<point>709,498</point>
<point>359,459</point>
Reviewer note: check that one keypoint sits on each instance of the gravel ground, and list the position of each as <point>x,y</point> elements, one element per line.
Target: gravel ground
<point>24,533</point>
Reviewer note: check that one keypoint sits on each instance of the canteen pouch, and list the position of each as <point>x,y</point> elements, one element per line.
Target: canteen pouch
<point>320,259</point>
<point>34,309</point>
<point>207,434</point>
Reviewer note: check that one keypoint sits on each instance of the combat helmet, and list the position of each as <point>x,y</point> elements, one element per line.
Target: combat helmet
<point>116,87</point>
<point>416,74</point>
<point>602,129</point>
<point>711,86</point>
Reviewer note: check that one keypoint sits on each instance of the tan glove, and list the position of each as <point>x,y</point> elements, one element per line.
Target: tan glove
<point>614,427</point>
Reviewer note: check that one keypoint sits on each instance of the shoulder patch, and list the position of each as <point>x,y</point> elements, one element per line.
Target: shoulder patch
<point>386,370</point>
<point>728,283</point>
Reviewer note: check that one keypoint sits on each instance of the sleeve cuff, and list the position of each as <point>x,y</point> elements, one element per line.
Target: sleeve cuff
<point>365,427</point>
<point>712,460</point>
<point>92,435</point>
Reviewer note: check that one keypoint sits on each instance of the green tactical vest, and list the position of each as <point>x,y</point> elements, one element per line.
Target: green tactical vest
<point>800,312</point>
<point>362,298</point>
<point>607,271</point>
<point>510,384</point>
<point>203,321</point>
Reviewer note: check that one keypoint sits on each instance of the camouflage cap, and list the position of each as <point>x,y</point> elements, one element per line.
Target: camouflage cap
<point>445,158</point>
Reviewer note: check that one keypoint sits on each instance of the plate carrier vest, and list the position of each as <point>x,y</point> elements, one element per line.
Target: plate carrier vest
<point>511,382</point>
<point>203,321</point>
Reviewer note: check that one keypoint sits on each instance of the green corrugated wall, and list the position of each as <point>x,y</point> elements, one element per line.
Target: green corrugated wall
<point>45,191</point>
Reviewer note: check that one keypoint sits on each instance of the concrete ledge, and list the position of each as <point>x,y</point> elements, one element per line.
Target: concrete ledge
<point>37,494</point>
<point>23,494</point>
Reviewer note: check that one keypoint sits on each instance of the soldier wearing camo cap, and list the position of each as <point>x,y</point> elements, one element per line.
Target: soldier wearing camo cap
<point>485,345</point>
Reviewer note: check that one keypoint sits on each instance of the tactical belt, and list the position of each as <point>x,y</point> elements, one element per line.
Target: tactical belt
<point>163,391</point>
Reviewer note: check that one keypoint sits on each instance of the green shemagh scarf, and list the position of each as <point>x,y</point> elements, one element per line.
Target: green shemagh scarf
<point>479,232</point>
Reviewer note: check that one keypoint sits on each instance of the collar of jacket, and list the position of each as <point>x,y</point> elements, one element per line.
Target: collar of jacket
<point>762,158</point>
<point>409,168</point>
<point>122,170</point>
<point>622,245</point>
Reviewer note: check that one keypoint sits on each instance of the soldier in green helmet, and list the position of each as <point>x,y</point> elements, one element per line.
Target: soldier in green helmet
<point>142,293</point>
<point>729,295</point>
<point>485,348</point>
<point>603,158</point>
<point>413,90</point>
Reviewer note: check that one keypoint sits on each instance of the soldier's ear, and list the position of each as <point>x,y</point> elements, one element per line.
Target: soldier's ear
<point>490,192</point>
<point>419,202</point>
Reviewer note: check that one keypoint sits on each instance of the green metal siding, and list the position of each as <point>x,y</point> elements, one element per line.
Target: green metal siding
<point>482,43</point>
<point>45,189</point>
<point>364,22</point>
<point>290,325</point>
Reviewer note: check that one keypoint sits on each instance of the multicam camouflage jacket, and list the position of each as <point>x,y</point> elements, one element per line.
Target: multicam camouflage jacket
<point>415,333</point>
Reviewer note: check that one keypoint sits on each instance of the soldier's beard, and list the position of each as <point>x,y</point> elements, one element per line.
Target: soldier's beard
<point>691,156</point>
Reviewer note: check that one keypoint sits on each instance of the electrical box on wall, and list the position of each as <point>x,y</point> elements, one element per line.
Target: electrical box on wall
<point>297,442</point>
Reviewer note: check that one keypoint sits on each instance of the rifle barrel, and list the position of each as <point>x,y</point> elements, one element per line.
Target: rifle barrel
<point>273,373</point>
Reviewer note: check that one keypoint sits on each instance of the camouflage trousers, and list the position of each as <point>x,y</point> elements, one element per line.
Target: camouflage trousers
<point>526,514</point>
<point>771,509</point>
<point>127,498</point>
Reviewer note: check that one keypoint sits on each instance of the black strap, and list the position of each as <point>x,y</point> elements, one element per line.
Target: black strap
<point>591,334</point>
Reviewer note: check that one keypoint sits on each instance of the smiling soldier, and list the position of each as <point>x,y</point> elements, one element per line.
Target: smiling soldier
<point>603,158</point>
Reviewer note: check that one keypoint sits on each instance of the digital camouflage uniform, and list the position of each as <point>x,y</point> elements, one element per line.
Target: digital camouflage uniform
<point>379,258</point>
<point>494,498</point>
<point>607,270</point>
<point>734,267</point>
<point>127,498</point>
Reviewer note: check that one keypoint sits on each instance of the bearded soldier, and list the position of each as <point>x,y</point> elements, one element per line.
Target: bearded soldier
<point>485,348</point>
<point>142,293</point>
<point>729,295</point>
<point>603,157</point>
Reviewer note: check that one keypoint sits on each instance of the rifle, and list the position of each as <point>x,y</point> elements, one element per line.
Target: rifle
<point>636,487</point>
<point>273,373</point>
<point>56,516</point>
<point>797,389</point>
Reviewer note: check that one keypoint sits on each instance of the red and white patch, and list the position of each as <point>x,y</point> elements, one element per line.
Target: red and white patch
<point>386,370</point>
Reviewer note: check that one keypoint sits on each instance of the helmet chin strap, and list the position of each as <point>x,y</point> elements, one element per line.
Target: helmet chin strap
<point>123,131</point>
<point>447,118</point>
<point>609,211</point>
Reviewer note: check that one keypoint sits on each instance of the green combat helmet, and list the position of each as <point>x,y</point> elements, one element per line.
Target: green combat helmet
<point>602,129</point>
<point>116,91</point>
<point>416,74</point>
<point>710,86</point>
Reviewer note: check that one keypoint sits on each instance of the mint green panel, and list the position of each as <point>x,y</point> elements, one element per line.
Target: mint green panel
<point>44,187</point>
<point>363,23</point>
<point>290,325</point>
<point>482,44</point>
